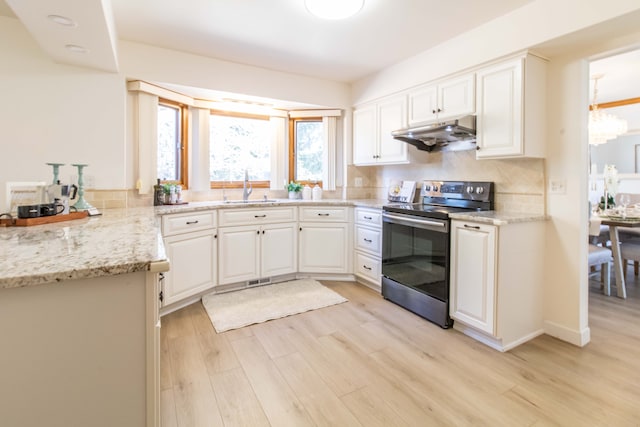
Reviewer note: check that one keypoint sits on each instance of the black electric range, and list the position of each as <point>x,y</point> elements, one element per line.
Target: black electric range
<point>415,245</point>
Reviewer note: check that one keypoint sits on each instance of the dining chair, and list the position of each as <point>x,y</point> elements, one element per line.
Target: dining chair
<point>601,256</point>
<point>630,251</point>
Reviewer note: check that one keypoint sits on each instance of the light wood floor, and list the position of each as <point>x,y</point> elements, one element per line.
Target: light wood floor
<point>368,362</point>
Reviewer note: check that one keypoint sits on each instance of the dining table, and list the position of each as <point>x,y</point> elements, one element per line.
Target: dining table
<point>615,222</point>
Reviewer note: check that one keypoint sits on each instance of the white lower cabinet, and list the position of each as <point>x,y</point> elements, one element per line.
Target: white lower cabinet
<point>279,249</point>
<point>251,252</point>
<point>323,248</point>
<point>190,244</point>
<point>192,257</point>
<point>497,281</point>
<point>239,254</point>
<point>368,246</point>
<point>324,244</point>
<point>473,275</point>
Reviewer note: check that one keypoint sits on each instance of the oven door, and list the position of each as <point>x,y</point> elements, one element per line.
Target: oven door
<point>415,253</point>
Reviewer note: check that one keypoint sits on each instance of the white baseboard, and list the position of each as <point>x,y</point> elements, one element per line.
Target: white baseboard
<point>572,336</point>
<point>493,342</point>
<point>369,284</point>
<point>327,276</point>
<point>485,339</point>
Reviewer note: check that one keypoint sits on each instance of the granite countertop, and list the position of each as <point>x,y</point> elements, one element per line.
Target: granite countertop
<point>498,218</point>
<point>116,242</point>
<point>257,203</point>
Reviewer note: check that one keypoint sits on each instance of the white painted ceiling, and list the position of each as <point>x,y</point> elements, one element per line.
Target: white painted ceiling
<point>274,34</point>
<point>279,34</point>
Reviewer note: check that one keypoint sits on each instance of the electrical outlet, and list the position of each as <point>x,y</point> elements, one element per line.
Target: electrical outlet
<point>358,181</point>
<point>557,186</point>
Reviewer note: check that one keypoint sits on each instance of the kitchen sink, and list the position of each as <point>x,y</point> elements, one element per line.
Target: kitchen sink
<point>243,202</point>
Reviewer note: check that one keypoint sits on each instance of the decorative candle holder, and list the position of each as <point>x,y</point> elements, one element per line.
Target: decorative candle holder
<point>56,170</point>
<point>81,204</point>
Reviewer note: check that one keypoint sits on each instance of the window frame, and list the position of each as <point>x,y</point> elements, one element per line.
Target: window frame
<point>292,149</point>
<point>218,185</point>
<point>183,118</point>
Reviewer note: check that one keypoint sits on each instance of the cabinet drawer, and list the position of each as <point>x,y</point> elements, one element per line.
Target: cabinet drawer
<point>370,217</point>
<point>368,267</point>
<point>368,239</point>
<point>320,213</point>
<point>256,216</point>
<point>187,222</point>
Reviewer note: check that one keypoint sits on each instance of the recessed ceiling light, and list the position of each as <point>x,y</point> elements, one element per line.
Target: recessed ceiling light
<point>334,9</point>
<point>76,49</point>
<point>62,20</point>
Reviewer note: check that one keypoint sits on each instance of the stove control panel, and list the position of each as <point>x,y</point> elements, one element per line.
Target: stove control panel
<point>464,190</point>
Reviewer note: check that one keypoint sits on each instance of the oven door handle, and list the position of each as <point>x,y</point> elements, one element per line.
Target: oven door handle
<point>419,223</point>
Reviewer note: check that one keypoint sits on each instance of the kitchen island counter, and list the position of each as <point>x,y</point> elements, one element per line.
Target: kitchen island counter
<point>117,242</point>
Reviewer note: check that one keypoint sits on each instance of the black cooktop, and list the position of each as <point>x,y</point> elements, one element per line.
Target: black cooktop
<point>420,209</point>
<point>441,198</point>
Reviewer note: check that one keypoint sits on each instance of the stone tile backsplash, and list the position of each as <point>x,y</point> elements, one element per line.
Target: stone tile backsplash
<point>519,183</point>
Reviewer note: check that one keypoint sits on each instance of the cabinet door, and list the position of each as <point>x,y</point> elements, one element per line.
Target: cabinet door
<point>392,115</point>
<point>279,249</point>
<point>499,108</point>
<point>365,145</point>
<point>456,97</point>
<point>324,248</point>
<point>423,105</point>
<point>193,261</point>
<point>473,275</point>
<point>239,257</point>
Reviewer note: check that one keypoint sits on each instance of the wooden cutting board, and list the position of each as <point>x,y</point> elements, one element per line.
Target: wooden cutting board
<point>25,222</point>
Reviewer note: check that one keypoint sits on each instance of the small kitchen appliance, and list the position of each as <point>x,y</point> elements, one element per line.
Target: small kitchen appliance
<point>415,245</point>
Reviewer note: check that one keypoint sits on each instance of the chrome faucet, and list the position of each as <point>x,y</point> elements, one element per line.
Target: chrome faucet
<point>246,192</point>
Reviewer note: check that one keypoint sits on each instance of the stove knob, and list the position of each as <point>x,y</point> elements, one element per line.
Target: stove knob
<point>470,189</point>
<point>427,188</point>
<point>435,188</point>
<point>479,190</point>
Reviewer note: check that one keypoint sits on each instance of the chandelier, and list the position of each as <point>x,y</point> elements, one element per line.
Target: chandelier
<point>603,126</point>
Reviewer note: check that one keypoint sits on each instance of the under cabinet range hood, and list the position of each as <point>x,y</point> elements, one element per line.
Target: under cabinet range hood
<point>452,135</point>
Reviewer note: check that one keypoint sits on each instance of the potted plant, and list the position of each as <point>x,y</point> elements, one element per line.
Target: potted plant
<point>294,190</point>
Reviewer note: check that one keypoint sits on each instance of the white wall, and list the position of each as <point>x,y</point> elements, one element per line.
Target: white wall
<point>535,23</point>
<point>56,113</point>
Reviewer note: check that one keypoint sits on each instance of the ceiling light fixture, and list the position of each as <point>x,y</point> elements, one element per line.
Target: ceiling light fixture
<point>603,126</point>
<point>62,20</point>
<point>333,9</point>
<point>76,49</point>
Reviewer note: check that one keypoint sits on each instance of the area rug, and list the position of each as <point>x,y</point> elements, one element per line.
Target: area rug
<point>236,309</point>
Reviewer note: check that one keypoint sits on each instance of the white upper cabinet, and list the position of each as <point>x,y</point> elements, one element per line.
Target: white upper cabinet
<point>365,146</point>
<point>436,102</point>
<point>372,126</point>
<point>511,109</point>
